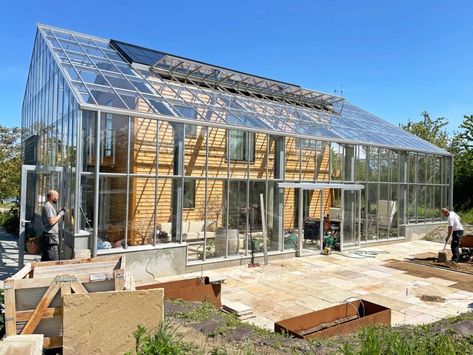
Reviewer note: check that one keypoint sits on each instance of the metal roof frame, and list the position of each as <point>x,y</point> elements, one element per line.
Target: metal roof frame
<point>250,112</point>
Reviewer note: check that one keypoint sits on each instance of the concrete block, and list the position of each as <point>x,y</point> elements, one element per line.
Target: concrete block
<point>82,254</point>
<point>104,322</point>
<point>31,344</point>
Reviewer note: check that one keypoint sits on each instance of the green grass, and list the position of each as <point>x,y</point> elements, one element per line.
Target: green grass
<point>436,339</point>
<point>422,339</point>
<point>466,216</point>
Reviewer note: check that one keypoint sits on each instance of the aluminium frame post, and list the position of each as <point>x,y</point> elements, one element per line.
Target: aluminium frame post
<point>300,222</point>
<point>96,184</point>
<point>127,199</point>
<point>79,158</point>
<point>359,218</point>
<point>452,169</point>
<point>322,220</point>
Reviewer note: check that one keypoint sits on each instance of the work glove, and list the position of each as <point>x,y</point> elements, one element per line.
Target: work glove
<point>62,212</point>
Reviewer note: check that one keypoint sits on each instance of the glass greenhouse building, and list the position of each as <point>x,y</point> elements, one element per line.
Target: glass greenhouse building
<point>155,152</point>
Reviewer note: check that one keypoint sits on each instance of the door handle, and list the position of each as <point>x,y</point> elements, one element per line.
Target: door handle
<point>24,221</point>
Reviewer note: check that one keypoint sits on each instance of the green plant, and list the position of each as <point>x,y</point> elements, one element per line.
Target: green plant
<point>466,216</point>
<point>165,341</point>
<point>197,314</point>
<point>11,220</point>
<point>2,315</point>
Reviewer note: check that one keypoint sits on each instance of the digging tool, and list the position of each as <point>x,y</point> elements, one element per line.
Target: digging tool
<point>442,256</point>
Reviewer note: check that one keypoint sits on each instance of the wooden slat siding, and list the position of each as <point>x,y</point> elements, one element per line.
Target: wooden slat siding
<point>144,140</point>
<point>292,159</point>
<point>194,153</point>
<point>217,152</point>
<point>166,149</point>
<point>197,213</point>
<point>141,209</point>
<point>141,212</point>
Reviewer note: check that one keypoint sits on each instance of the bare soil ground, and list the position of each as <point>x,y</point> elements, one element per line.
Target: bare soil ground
<point>213,332</point>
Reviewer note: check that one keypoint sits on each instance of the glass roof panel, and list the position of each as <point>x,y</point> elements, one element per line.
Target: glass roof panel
<point>136,89</point>
<point>106,97</point>
<point>119,82</point>
<point>70,46</point>
<point>138,54</point>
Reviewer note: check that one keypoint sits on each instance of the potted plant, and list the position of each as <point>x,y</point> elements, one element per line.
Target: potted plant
<point>33,244</point>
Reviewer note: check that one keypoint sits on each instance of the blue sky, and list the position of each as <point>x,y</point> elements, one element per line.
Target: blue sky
<point>393,58</point>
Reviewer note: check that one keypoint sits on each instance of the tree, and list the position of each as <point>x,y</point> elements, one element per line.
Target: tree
<point>461,146</point>
<point>10,161</point>
<point>431,130</point>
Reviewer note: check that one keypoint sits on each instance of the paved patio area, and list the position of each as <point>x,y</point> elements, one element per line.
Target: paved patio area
<point>287,288</point>
<point>9,255</point>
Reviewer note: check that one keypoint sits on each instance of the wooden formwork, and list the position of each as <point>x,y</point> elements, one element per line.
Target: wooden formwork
<point>33,296</point>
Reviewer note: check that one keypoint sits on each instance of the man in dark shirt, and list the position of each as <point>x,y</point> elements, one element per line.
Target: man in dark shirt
<point>49,220</point>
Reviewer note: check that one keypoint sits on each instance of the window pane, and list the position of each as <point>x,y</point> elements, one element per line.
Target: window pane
<point>189,194</point>
<point>114,143</point>
<point>142,211</point>
<point>112,216</point>
<point>195,150</point>
<point>143,146</point>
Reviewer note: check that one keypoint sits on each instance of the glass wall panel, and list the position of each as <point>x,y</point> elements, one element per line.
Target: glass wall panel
<point>394,207</point>
<point>112,216</point>
<point>395,166</point>
<point>142,211</point>
<point>292,159</point>
<point>166,148</point>
<point>322,168</point>
<point>373,164</point>
<point>412,203</point>
<point>384,165</point>
<point>113,143</point>
<point>255,227</point>
<point>361,163</point>
<point>195,150</point>
<point>289,211</point>
<point>193,219</point>
<point>237,216</point>
<point>271,157</point>
<point>241,152</point>
<point>166,216</point>
<point>274,218</point>
<point>259,165</point>
<point>217,162</point>
<point>86,213</point>
<point>372,216</point>
<point>412,167</point>
<point>385,211</point>
<point>308,156</point>
<point>216,208</point>
<point>143,146</point>
<point>337,157</point>
<point>421,203</point>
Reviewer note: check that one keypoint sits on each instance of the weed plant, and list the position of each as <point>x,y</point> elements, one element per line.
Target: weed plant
<point>165,341</point>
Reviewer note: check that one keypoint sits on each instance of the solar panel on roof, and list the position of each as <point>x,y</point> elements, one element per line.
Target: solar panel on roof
<point>136,54</point>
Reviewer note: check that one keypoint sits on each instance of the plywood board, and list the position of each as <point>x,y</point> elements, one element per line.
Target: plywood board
<point>104,322</point>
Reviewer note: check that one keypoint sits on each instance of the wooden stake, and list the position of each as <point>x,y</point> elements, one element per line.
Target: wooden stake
<point>10,307</point>
<point>265,233</point>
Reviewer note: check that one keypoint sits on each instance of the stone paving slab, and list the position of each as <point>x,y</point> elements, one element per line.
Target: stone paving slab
<point>285,288</point>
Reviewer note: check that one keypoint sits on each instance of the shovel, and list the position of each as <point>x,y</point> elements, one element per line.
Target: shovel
<point>442,256</point>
